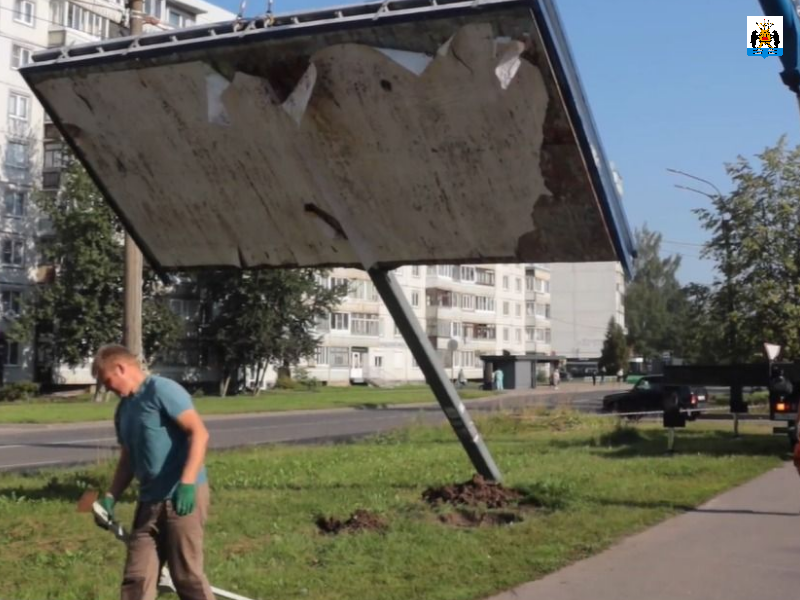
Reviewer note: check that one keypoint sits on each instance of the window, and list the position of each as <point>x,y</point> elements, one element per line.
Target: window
<point>12,354</point>
<point>377,361</point>
<point>153,8</point>
<point>24,12</point>
<point>505,282</point>
<point>542,311</point>
<point>484,276</point>
<point>53,156</point>
<point>519,284</point>
<point>467,302</point>
<point>530,334</point>
<point>446,270</point>
<point>542,286</point>
<point>505,334</point>
<point>518,308</point>
<point>485,332</point>
<point>178,18</point>
<point>340,284</point>
<point>364,324</point>
<point>456,329</point>
<point>518,334</point>
<point>484,303</point>
<point>15,201</point>
<point>12,301</point>
<point>468,274</point>
<point>12,252</point>
<point>543,335</point>
<point>415,271</point>
<point>362,289</point>
<point>530,308</point>
<point>340,321</point>
<point>18,112</point>
<point>414,298</point>
<point>188,310</point>
<point>20,56</point>
<point>529,283</point>
<point>506,309</point>
<point>17,154</point>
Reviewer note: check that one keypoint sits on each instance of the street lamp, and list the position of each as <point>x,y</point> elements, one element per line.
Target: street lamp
<point>725,228</point>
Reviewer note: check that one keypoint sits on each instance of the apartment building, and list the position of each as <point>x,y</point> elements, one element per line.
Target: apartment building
<point>466,311</point>
<point>584,297</point>
<point>29,145</point>
<point>538,325</point>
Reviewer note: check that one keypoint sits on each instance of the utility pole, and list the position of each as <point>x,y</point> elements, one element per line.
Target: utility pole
<point>132,313</point>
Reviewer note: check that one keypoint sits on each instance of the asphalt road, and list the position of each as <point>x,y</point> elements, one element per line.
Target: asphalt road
<point>30,447</point>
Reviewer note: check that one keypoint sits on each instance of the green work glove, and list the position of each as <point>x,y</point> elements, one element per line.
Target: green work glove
<point>184,499</point>
<point>107,502</point>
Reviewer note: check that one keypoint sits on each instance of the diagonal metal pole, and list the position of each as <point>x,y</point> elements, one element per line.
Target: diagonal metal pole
<point>428,360</point>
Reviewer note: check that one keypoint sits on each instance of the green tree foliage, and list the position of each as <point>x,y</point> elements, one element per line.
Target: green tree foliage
<point>704,335</point>
<point>615,352</point>
<point>80,308</point>
<point>755,243</point>
<point>257,318</point>
<point>655,306</point>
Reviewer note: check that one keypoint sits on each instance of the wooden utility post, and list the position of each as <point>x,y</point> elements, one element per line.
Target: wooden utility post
<point>132,325</point>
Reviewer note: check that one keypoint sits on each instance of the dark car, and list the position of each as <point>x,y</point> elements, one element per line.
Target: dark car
<point>650,394</point>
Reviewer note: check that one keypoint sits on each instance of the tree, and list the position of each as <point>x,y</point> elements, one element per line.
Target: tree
<point>615,352</point>
<point>703,331</point>
<point>254,319</point>
<point>654,302</point>
<point>755,243</point>
<point>80,308</point>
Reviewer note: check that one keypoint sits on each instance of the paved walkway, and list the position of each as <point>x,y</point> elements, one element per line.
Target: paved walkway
<point>742,545</point>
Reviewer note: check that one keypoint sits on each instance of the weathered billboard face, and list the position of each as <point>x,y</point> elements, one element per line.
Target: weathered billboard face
<point>375,137</point>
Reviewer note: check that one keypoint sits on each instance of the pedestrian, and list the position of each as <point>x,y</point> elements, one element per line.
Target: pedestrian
<point>620,375</point>
<point>602,374</point>
<point>498,380</point>
<point>556,378</point>
<point>462,379</point>
<point>594,376</point>
<point>163,445</point>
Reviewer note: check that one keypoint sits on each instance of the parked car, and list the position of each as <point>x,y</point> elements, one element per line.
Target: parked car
<point>650,394</point>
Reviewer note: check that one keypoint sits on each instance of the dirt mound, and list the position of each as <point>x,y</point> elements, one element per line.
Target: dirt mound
<point>474,518</point>
<point>361,520</point>
<point>476,492</point>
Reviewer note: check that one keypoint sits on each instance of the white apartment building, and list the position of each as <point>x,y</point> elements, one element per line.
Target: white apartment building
<point>584,297</point>
<point>29,146</point>
<point>466,310</point>
<point>538,326</point>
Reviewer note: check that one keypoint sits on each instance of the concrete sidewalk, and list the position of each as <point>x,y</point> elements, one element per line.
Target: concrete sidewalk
<point>742,545</point>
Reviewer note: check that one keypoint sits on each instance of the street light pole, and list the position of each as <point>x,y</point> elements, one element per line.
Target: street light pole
<point>725,228</point>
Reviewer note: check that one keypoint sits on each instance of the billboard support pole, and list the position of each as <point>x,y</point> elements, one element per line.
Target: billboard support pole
<point>428,361</point>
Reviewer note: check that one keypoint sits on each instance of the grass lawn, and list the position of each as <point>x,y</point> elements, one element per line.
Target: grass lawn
<point>72,411</point>
<point>592,484</point>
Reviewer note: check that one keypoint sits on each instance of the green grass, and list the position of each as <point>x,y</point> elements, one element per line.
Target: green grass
<point>598,482</point>
<point>75,411</point>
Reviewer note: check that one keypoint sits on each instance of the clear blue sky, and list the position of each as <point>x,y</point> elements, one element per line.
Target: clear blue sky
<point>670,85</point>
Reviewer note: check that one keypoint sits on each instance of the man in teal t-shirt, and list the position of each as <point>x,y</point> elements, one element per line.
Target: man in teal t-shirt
<point>162,444</point>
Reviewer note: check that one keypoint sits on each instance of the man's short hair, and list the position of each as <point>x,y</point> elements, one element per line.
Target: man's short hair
<point>110,354</point>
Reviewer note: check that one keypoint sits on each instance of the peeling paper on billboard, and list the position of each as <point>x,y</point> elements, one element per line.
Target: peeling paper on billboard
<point>297,102</point>
<point>509,62</point>
<point>416,62</point>
<point>216,85</point>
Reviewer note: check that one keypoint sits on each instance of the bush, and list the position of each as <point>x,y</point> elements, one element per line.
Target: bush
<point>542,377</point>
<point>19,390</point>
<point>287,383</point>
<point>302,376</point>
